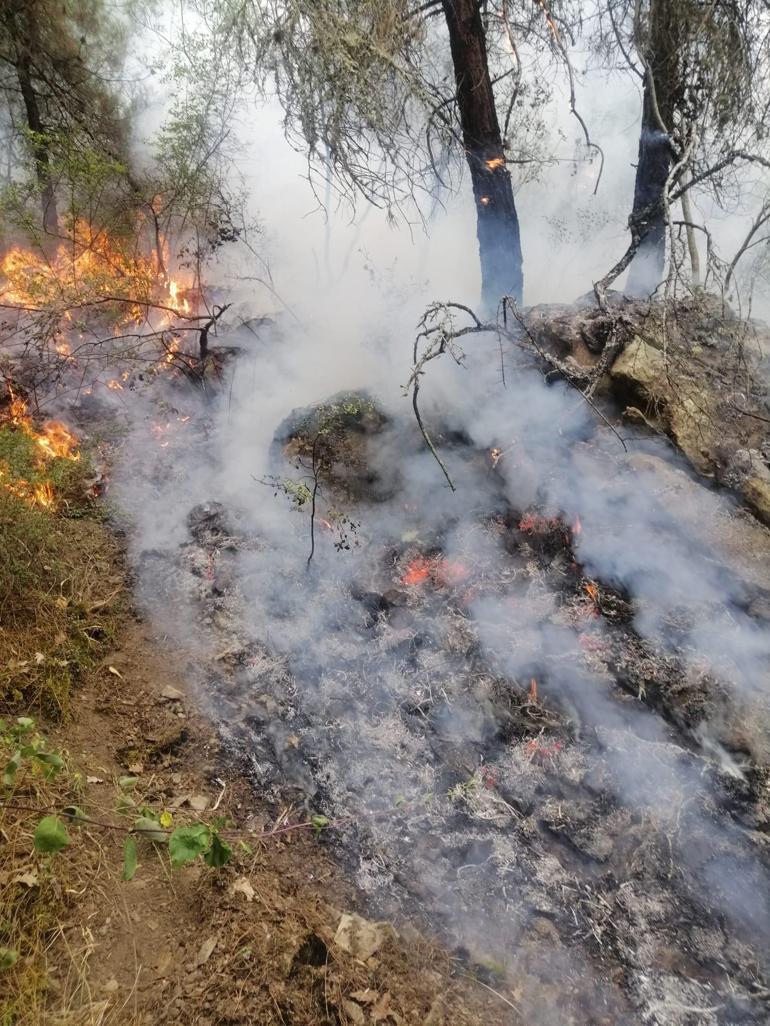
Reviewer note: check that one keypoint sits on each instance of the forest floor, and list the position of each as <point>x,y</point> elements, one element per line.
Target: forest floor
<point>255,941</point>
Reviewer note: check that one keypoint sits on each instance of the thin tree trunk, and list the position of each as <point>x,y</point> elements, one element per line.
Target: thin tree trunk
<point>661,89</point>
<point>39,147</point>
<point>20,21</point>
<point>497,223</point>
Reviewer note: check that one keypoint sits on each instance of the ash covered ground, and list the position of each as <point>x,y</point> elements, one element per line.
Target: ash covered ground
<point>535,709</point>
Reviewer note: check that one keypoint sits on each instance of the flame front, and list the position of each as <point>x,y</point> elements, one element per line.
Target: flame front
<point>92,269</point>
<point>53,441</point>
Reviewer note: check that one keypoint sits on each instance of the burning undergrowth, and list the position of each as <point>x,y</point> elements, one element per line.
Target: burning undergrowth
<point>536,706</point>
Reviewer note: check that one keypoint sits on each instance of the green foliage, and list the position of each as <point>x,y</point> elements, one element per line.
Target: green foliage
<point>129,858</point>
<point>8,958</point>
<point>187,843</point>
<point>30,752</point>
<point>51,835</point>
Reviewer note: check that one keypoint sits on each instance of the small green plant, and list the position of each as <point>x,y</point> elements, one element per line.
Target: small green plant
<point>30,751</point>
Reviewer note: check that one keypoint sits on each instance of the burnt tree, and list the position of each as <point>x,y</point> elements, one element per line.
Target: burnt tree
<point>497,223</point>
<point>661,98</point>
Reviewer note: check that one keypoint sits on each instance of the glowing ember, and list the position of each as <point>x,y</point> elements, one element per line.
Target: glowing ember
<point>115,385</point>
<point>533,523</point>
<point>484,201</point>
<point>495,455</point>
<point>592,590</point>
<point>443,572</point>
<point>417,571</point>
<point>495,162</point>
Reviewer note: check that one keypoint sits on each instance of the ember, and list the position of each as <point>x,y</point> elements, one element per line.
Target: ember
<point>444,573</point>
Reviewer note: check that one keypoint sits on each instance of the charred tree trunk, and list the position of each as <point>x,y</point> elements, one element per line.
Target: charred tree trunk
<point>497,223</point>
<point>649,263</point>
<point>661,94</point>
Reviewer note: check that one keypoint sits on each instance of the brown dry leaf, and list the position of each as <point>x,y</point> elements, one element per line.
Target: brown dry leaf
<point>94,780</point>
<point>29,879</point>
<point>354,1012</point>
<point>115,672</point>
<point>381,1010</point>
<point>365,997</point>
<point>243,886</point>
<point>205,950</point>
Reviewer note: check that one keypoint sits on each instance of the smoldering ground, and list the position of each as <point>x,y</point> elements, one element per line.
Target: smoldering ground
<point>633,830</point>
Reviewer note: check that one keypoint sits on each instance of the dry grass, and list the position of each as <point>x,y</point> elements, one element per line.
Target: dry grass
<point>57,582</point>
<point>55,577</point>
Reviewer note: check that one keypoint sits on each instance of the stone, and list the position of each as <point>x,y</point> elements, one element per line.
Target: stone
<point>362,938</point>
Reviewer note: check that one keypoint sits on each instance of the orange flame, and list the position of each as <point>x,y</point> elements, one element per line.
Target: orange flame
<point>577,527</point>
<point>495,162</point>
<point>484,201</point>
<point>445,573</point>
<point>592,590</point>
<point>114,385</point>
<point>54,440</point>
<point>533,690</point>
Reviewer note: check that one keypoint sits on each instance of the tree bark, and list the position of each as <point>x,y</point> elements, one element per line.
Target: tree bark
<point>497,223</point>
<point>20,21</point>
<point>661,93</point>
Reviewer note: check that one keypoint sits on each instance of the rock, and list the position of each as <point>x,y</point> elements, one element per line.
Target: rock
<point>362,938</point>
<point>336,433</point>
<point>171,694</point>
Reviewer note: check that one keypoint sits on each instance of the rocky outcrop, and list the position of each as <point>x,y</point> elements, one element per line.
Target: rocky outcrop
<point>692,371</point>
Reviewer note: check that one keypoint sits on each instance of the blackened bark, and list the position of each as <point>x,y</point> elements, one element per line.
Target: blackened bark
<point>662,95</point>
<point>497,223</point>
<point>649,263</point>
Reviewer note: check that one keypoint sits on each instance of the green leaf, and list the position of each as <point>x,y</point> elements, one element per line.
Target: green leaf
<point>150,828</point>
<point>51,835</point>
<point>74,812</point>
<point>9,775</point>
<point>52,761</point>
<point>187,843</point>
<point>129,858</point>
<point>127,781</point>
<point>219,853</point>
<point>24,724</point>
<point>319,823</point>
<point>7,958</point>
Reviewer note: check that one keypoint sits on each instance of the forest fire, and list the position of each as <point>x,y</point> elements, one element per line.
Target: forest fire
<point>91,270</point>
<point>494,163</point>
<point>53,441</point>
